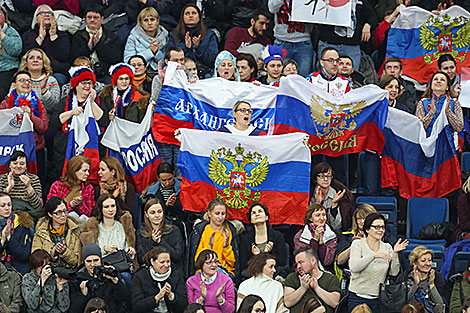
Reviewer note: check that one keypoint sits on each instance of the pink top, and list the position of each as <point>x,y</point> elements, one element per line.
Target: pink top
<point>210,302</point>
<point>58,189</point>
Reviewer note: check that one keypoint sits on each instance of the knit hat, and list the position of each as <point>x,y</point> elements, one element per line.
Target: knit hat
<point>273,53</point>
<point>121,69</point>
<point>80,73</point>
<point>90,248</point>
<point>225,55</point>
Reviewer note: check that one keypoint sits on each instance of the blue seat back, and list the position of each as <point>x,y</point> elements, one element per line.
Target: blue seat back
<point>461,261</point>
<point>465,161</point>
<point>423,211</point>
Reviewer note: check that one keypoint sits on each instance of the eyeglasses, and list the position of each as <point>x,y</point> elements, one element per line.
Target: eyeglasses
<point>93,17</point>
<point>331,60</point>
<point>60,213</point>
<point>42,13</point>
<point>245,111</point>
<point>86,83</point>
<point>211,262</point>
<point>327,177</point>
<point>259,310</point>
<point>25,81</point>
<point>378,227</point>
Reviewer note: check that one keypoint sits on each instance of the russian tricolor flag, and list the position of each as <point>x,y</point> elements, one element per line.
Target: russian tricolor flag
<point>273,170</point>
<point>418,37</point>
<point>336,126</point>
<point>207,104</point>
<point>83,140</point>
<point>134,145</point>
<point>16,133</point>
<point>417,165</point>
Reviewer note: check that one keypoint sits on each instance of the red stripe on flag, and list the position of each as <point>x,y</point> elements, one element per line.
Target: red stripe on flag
<point>284,207</point>
<point>163,128</point>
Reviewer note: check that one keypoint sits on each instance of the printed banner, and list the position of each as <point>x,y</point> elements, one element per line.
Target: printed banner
<point>419,38</point>
<point>207,104</point>
<point>133,144</point>
<point>416,165</point>
<point>16,133</point>
<point>273,170</point>
<point>336,126</point>
<point>333,12</point>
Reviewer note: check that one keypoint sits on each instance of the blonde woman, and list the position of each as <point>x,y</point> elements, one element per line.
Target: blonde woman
<point>37,63</point>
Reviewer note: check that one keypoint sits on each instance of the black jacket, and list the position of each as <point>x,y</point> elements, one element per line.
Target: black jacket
<point>144,289</point>
<point>247,239</point>
<point>114,295</point>
<point>408,97</point>
<point>195,238</point>
<point>171,239</point>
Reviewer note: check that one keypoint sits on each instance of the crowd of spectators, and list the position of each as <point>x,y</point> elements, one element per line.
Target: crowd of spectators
<point>68,239</point>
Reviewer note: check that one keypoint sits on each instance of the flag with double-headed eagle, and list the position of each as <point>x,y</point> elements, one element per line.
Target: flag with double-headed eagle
<point>336,126</point>
<point>419,37</point>
<point>273,170</point>
<point>16,133</point>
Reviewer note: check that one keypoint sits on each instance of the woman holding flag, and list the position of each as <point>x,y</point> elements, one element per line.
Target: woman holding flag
<point>439,95</point>
<point>121,98</point>
<point>82,83</point>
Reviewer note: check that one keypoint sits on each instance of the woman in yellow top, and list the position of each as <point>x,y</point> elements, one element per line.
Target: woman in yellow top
<point>217,234</point>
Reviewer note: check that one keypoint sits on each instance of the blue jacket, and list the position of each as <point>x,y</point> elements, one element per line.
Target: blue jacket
<point>204,54</point>
<point>138,42</point>
<point>440,103</point>
<point>11,48</point>
<point>449,255</point>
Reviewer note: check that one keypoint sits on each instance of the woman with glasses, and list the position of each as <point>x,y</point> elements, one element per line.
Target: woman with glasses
<point>158,287</point>
<point>333,195</point>
<point>252,304</point>
<point>209,287</point>
<point>74,187</point>
<point>55,43</point>
<point>121,99</point>
<point>242,114</point>
<point>262,285</point>
<point>141,80</point>
<point>44,291</point>
<point>82,92</point>
<point>58,234</point>
<point>16,233</point>
<point>148,38</point>
<point>369,262</point>
<point>318,235</point>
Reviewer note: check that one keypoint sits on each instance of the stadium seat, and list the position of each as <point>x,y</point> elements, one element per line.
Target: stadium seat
<point>437,260</point>
<point>461,261</point>
<point>387,206</point>
<point>465,161</point>
<point>423,211</point>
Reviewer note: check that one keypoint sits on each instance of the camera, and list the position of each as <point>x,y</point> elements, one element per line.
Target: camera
<point>63,272</point>
<point>99,271</point>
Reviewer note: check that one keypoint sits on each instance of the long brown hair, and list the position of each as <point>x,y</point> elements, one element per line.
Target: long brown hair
<point>450,91</point>
<point>70,179</point>
<point>164,228</point>
<point>180,29</point>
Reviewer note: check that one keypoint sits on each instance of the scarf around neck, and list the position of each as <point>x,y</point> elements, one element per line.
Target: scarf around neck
<point>30,100</point>
<point>159,277</point>
<point>122,101</point>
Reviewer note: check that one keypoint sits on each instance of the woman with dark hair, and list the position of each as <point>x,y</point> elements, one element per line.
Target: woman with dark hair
<point>259,237</point>
<point>113,181</point>
<point>96,305</point>
<point>394,88</point>
<point>141,80</point>
<point>57,233</point>
<point>210,287</point>
<point>197,42</point>
<point>157,232</point>
<point>369,262</point>
<point>120,98</point>
<point>74,187</point>
<point>247,67</point>
<point>439,95</point>
<point>252,303</point>
<point>333,195</point>
<point>195,308</point>
<point>10,50</point>
<point>262,283</point>
<point>82,92</point>
<point>447,64</point>
<point>318,235</point>
<point>44,291</point>
<point>24,188</point>
<point>217,234</point>
<point>16,233</point>
<point>157,287</point>
<point>111,229</point>
<point>416,307</point>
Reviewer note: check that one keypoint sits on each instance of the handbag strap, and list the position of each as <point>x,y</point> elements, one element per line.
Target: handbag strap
<point>461,292</point>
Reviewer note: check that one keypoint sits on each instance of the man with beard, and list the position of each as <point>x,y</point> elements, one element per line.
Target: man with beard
<point>242,37</point>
